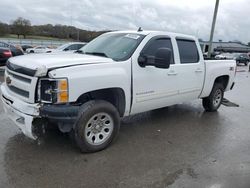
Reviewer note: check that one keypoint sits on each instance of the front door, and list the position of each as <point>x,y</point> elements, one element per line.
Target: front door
<point>154,87</point>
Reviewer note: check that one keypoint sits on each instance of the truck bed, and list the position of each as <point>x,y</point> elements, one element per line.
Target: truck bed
<point>214,68</point>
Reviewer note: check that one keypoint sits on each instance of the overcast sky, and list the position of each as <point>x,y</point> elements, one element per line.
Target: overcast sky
<point>185,16</point>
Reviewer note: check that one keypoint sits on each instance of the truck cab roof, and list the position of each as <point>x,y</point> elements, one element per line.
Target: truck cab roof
<point>149,32</point>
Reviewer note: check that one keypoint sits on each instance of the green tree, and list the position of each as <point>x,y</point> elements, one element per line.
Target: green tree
<point>21,26</point>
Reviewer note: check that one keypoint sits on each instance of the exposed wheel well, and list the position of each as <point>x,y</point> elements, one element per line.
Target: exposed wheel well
<point>115,96</point>
<point>223,80</point>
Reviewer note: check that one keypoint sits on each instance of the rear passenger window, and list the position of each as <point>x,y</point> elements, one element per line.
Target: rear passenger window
<point>188,51</point>
<point>151,47</point>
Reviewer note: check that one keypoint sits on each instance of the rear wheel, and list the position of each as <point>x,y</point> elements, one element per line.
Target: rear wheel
<point>98,124</point>
<point>213,101</point>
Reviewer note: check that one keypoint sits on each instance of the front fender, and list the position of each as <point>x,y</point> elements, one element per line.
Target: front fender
<point>87,78</point>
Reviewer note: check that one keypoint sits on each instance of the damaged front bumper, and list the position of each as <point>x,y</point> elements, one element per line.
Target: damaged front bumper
<point>21,113</point>
<point>33,118</point>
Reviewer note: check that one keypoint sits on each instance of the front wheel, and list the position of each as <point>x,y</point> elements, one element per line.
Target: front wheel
<point>214,100</point>
<point>97,126</point>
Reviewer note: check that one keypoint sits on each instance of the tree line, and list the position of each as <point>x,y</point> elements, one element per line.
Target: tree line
<point>22,28</point>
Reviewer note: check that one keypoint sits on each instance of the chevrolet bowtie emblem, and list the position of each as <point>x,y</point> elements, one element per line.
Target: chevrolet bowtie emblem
<point>8,80</point>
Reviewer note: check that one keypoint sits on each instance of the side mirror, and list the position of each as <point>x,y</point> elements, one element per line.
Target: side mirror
<point>66,49</point>
<point>142,60</point>
<point>161,59</point>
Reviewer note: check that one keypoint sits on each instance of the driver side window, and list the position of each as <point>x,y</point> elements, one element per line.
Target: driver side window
<point>154,44</point>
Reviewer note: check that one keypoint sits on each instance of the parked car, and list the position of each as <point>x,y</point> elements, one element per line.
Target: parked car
<point>14,50</point>
<point>241,58</point>
<point>213,54</point>
<point>25,47</point>
<point>72,46</point>
<point>116,75</point>
<point>38,49</point>
<point>248,54</point>
<point>5,54</point>
<point>224,56</point>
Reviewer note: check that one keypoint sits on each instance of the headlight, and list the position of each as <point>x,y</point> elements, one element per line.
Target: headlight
<point>53,90</point>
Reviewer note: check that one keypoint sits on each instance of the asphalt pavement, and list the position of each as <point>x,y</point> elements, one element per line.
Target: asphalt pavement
<point>178,146</point>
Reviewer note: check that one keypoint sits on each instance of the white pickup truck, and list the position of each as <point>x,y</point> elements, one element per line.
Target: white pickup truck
<point>117,74</point>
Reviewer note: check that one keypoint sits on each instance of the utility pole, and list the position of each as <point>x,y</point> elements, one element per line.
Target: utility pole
<point>212,29</point>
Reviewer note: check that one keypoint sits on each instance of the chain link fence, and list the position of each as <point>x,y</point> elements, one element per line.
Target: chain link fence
<point>33,42</point>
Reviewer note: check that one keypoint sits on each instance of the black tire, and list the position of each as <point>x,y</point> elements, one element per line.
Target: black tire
<point>31,51</point>
<point>209,103</point>
<point>86,114</point>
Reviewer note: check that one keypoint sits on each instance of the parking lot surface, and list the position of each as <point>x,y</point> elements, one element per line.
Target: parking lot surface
<point>178,146</point>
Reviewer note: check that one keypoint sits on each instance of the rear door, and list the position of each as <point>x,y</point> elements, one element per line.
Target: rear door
<point>191,69</point>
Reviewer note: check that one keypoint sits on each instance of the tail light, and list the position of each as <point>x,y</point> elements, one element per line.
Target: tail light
<point>7,53</point>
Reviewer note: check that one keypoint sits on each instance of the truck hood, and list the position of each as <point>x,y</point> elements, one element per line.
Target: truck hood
<point>44,62</point>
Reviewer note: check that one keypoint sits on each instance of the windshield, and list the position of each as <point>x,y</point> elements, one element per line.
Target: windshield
<point>62,47</point>
<point>117,46</point>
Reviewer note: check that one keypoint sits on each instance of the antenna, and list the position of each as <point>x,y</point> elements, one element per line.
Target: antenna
<point>140,29</point>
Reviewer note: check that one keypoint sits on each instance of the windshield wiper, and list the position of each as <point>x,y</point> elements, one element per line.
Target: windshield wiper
<point>97,54</point>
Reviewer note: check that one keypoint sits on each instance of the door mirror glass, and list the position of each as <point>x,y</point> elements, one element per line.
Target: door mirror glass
<point>66,49</point>
<point>161,59</point>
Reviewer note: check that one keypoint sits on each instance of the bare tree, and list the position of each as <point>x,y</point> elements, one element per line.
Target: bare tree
<point>21,26</point>
<point>4,29</point>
